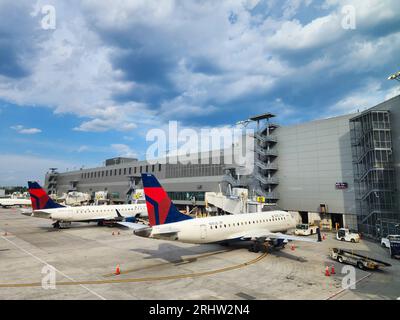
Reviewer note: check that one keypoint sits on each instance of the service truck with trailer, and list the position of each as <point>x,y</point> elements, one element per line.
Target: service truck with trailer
<point>360,261</point>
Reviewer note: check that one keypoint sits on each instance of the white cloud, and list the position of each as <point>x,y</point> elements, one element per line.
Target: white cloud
<point>74,69</point>
<point>123,150</point>
<point>366,97</point>
<point>22,130</point>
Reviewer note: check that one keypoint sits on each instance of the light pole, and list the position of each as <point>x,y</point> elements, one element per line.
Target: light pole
<point>395,76</point>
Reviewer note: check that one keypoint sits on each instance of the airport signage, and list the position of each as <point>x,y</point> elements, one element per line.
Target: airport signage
<point>341,185</point>
<point>261,199</point>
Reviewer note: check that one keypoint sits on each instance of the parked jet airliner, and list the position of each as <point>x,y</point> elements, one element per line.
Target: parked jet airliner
<point>166,222</point>
<point>44,207</point>
<point>11,202</point>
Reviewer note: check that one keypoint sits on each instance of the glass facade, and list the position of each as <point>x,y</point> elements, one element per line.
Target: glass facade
<point>187,196</point>
<point>374,174</point>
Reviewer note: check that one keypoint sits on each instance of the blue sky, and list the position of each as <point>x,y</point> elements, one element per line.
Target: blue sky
<point>110,71</point>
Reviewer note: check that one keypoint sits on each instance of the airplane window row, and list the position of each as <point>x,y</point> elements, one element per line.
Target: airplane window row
<point>249,222</point>
<point>106,210</point>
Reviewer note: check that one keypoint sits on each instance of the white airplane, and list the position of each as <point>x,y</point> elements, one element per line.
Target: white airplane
<point>11,202</point>
<point>44,207</point>
<point>167,223</point>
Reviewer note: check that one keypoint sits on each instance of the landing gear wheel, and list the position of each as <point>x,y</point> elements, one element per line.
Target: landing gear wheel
<point>56,225</point>
<point>360,265</point>
<point>340,259</point>
<point>342,239</point>
<point>254,248</point>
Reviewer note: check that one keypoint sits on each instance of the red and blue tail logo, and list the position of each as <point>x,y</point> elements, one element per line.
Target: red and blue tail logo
<point>40,199</point>
<point>160,208</point>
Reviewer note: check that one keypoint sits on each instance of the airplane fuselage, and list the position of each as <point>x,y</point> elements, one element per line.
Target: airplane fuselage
<point>9,202</point>
<point>220,228</point>
<point>91,213</point>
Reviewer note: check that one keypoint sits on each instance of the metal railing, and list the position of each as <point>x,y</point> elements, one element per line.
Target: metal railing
<point>267,152</point>
<point>268,195</point>
<point>266,180</point>
<point>266,166</point>
<point>266,138</point>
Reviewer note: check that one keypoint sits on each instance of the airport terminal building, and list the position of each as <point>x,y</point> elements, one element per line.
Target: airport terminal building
<point>344,170</point>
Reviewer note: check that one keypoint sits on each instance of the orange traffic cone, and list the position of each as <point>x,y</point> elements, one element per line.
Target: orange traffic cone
<point>333,270</point>
<point>292,247</point>
<point>324,236</point>
<point>327,274</point>
<point>117,270</point>
<point>113,233</point>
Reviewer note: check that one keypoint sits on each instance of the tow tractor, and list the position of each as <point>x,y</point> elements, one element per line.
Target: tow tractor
<point>305,229</point>
<point>362,262</point>
<point>344,234</point>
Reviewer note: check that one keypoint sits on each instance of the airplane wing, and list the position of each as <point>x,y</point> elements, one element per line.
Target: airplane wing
<point>133,226</point>
<point>139,226</point>
<point>289,237</point>
<point>268,235</point>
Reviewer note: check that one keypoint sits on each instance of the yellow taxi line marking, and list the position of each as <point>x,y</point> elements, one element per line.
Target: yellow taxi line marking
<point>145,279</point>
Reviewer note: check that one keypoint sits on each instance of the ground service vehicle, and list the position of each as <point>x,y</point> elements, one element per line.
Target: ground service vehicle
<point>305,229</point>
<point>362,262</point>
<point>395,248</point>
<point>344,234</point>
<point>385,242</point>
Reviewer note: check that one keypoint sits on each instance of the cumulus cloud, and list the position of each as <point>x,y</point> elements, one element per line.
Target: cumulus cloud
<point>366,97</point>
<point>22,130</point>
<point>123,150</point>
<point>135,64</point>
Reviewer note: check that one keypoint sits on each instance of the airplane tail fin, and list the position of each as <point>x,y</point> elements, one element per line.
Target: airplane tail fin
<point>160,208</point>
<point>39,197</point>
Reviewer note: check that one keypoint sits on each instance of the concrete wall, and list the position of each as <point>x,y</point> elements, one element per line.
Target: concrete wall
<point>120,183</point>
<point>312,158</point>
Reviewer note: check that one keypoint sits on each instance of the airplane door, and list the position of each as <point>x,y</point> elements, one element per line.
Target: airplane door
<point>203,231</point>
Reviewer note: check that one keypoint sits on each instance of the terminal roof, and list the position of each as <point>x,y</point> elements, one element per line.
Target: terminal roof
<point>262,116</point>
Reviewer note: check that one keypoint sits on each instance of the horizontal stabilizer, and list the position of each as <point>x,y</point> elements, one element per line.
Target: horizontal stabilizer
<point>166,231</point>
